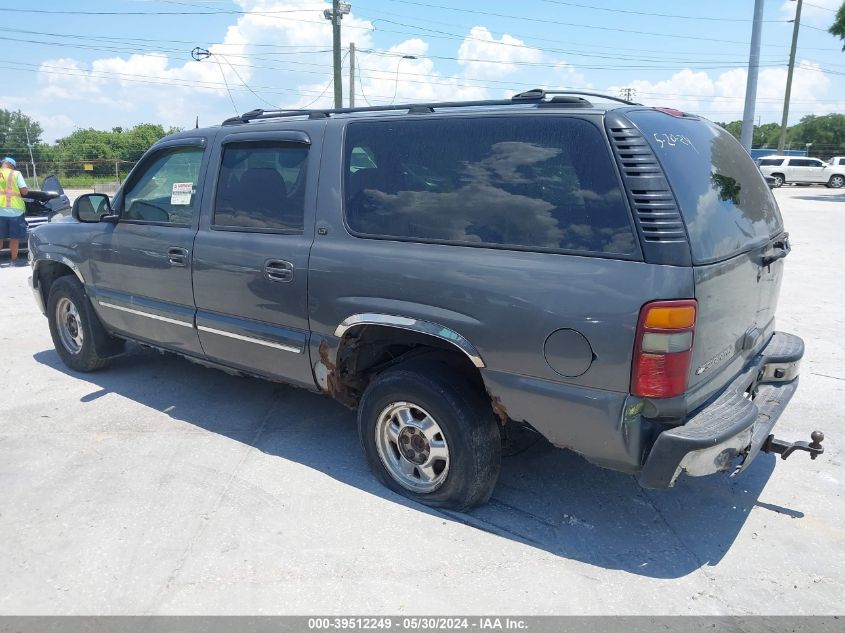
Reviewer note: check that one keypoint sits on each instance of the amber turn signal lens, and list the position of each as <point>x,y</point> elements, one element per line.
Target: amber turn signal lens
<point>670,318</point>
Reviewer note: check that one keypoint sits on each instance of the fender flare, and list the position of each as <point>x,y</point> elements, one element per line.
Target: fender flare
<point>415,325</point>
<point>61,259</point>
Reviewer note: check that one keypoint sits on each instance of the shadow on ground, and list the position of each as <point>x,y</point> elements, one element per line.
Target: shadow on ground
<point>839,197</point>
<point>546,498</point>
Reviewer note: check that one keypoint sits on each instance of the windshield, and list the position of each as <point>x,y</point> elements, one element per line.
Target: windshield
<point>725,201</point>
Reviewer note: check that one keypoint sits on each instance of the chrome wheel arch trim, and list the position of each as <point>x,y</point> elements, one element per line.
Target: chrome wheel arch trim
<point>61,259</point>
<point>415,325</point>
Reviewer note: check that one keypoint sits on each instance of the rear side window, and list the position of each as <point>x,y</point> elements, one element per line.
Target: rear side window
<point>771,162</point>
<point>725,202</point>
<point>804,162</point>
<point>539,183</point>
<point>261,187</point>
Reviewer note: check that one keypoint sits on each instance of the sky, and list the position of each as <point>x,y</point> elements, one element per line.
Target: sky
<point>108,63</point>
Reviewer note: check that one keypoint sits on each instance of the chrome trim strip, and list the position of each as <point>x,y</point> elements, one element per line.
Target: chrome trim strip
<point>149,315</point>
<point>249,339</point>
<point>414,325</point>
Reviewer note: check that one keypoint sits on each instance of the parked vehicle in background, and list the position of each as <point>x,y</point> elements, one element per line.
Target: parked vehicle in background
<point>608,275</point>
<point>42,205</point>
<point>802,170</point>
<point>837,160</point>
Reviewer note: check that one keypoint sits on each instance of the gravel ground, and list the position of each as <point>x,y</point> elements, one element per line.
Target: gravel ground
<point>160,487</point>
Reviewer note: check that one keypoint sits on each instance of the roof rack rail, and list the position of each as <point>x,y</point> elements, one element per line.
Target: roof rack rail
<point>414,108</point>
<point>536,95</point>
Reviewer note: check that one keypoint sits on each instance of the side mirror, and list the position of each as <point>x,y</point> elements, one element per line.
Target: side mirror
<point>93,207</point>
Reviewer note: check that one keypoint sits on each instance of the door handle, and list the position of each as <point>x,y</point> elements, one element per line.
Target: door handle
<point>177,256</point>
<point>278,270</point>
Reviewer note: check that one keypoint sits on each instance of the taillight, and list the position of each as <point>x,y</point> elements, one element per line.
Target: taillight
<point>663,348</point>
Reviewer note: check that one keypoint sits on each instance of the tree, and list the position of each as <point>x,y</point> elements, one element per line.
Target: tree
<point>14,127</point>
<point>838,26</point>
<point>827,130</point>
<point>765,135</point>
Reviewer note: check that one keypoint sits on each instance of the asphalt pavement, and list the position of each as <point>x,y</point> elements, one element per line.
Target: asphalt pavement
<point>161,487</point>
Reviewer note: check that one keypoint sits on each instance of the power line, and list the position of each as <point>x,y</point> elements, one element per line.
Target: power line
<point>646,13</point>
<point>328,85</point>
<point>585,6</point>
<point>150,13</point>
<point>495,42</point>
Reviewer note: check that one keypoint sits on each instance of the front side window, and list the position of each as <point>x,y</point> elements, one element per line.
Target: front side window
<point>802,162</point>
<point>262,187</point>
<point>525,182</point>
<point>166,191</point>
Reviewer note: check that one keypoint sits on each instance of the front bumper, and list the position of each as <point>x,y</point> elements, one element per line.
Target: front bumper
<point>735,424</point>
<point>36,292</point>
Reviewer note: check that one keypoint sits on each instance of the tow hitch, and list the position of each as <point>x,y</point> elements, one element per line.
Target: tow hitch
<point>785,449</point>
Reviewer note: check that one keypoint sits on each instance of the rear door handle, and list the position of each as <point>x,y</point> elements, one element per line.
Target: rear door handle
<point>177,256</point>
<point>278,270</point>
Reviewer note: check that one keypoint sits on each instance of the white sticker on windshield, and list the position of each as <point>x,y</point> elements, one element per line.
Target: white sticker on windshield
<point>181,193</point>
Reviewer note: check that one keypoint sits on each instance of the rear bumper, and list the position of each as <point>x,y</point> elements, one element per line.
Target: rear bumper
<point>733,424</point>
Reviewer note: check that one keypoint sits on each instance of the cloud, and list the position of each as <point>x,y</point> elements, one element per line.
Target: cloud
<point>482,55</point>
<point>819,13</point>
<point>722,97</point>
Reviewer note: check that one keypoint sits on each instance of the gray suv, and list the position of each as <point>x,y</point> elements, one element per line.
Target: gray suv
<point>607,275</point>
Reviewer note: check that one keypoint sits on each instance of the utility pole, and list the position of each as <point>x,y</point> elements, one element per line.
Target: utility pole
<point>31,159</point>
<point>747,136</point>
<point>629,94</point>
<point>352,74</point>
<point>786,96</point>
<point>335,14</point>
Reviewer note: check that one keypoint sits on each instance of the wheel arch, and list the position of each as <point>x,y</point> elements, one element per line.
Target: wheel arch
<point>410,324</point>
<point>48,269</point>
<point>366,344</point>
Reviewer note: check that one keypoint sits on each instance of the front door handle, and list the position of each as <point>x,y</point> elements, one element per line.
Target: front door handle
<point>177,256</point>
<point>278,270</point>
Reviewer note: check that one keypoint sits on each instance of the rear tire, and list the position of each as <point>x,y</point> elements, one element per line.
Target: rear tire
<point>836,181</point>
<point>429,435</point>
<point>779,180</point>
<point>74,327</point>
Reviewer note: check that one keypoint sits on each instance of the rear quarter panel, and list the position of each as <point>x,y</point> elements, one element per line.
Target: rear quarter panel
<point>506,303</point>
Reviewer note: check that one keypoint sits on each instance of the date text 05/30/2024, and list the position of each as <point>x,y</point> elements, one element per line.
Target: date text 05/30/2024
<point>416,624</point>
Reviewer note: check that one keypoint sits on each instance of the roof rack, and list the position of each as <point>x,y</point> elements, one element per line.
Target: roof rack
<point>536,95</point>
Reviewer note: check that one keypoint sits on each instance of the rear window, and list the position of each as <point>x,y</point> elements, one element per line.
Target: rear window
<point>723,197</point>
<point>538,183</point>
<point>771,162</point>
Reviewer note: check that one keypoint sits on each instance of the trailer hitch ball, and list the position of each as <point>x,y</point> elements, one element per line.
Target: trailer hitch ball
<point>785,449</point>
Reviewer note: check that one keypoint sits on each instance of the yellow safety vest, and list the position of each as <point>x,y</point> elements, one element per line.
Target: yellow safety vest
<point>10,195</point>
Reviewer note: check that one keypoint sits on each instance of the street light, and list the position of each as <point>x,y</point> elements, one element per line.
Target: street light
<point>396,82</point>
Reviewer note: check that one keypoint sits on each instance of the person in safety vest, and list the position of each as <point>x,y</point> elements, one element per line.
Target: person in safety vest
<point>12,207</point>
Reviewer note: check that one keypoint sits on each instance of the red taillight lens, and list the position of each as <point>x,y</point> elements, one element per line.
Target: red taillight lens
<point>663,348</point>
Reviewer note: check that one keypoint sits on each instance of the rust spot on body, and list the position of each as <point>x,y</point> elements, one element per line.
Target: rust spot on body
<point>334,386</point>
<point>499,409</point>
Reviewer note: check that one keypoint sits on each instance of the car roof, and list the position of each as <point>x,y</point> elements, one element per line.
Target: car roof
<point>559,101</point>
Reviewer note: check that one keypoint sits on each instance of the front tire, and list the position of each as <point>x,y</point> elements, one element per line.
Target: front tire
<point>836,181</point>
<point>74,327</point>
<point>429,435</point>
